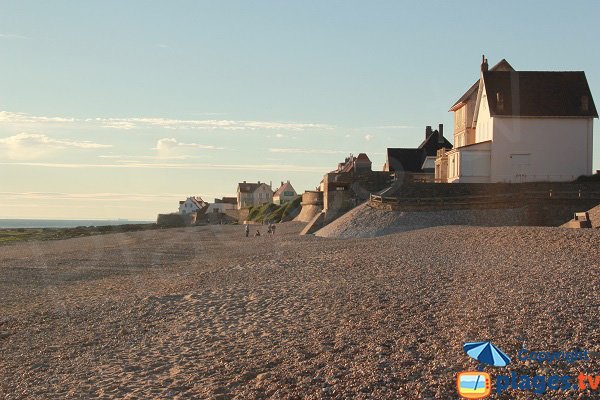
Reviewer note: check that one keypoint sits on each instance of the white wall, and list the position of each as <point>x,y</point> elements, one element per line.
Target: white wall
<point>473,164</point>
<point>544,149</point>
<point>485,124</point>
<point>188,207</point>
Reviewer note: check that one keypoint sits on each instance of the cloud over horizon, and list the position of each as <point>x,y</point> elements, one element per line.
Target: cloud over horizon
<point>189,166</point>
<point>306,151</point>
<point>20,118</point>
<point>24,146</point>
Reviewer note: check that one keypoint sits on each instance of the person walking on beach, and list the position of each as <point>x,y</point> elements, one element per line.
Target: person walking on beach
<point>273,229</point>
<point>247,229</point>
<point>257,233</point>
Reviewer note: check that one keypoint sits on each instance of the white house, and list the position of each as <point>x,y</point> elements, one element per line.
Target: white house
<point>252,194</point>
<point>191,205</point>
<point>521,126</point>
<point>285,193</point>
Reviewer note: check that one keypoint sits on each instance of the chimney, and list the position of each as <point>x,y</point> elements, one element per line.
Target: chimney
<point>585,104</point>
<point>281,183</point>
<point>427,131</point>
<point>259,182</point>
<point>499,102</point>
<point>484,63</point>
<point>244,181</point>
<point>441,133</point>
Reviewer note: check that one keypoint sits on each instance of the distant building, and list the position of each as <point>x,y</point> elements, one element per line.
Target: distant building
<point>252,194</point>
<point>285,193</point>
<point>222,205</point>
<point>521,126</point>
<point>359,164</point>
<point>417,164</point>
<point>191,205</point>
<point>349,184</point>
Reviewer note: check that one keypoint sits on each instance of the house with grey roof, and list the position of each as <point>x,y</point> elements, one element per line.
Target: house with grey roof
<point>521,126</point>
<point>253,194</point>
<point>192,204</point>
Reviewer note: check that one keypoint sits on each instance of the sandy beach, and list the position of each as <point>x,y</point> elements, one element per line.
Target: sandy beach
<point>206,313</point>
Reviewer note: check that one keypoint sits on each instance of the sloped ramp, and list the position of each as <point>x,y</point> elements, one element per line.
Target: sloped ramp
<point>308,212</point>
<point>314,225</point>
<point>594,215</point>
<point>365,221</point>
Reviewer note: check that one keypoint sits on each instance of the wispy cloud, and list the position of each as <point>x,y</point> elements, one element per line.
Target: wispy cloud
<point>24,146</point>
<point>17,118</point>
<point>307,151</point>
<point>134,158</point>
<point>368,137</point>
<point>12,36</point>
<point>191,166</point>
<point>393,127</point>
<point>22,118</point>
<point>167,123</point>
<point>167,144</point>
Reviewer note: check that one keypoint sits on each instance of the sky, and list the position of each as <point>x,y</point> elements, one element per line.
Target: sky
<point>119,109</point>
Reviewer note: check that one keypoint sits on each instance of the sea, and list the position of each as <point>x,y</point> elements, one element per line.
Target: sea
<point>63,223</point>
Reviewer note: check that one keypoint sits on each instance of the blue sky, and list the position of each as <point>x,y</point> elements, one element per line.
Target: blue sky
<point>113,109</point>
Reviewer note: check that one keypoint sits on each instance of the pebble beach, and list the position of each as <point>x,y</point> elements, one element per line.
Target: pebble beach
<point>206,313</point>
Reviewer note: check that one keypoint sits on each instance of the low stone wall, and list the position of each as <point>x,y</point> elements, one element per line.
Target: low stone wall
<point>556,212</point>
<point>242,215</point>
<point>170,221</point>
<point>235,214</point>
<point>426,190</point>
<point>540,211</point>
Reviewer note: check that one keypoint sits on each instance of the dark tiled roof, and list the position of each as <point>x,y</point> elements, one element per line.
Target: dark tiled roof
<point>363,157</point>
<point>465,97</point>
<point>248,187</point>
<point>431,144</point>
<point>226,200</point>
<point>409,160</point>
<point>539,94</point>
<point>198,202</point>
<point>503,65</point>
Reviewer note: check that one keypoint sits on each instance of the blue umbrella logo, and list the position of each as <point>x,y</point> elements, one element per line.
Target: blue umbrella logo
<point>487,353</point>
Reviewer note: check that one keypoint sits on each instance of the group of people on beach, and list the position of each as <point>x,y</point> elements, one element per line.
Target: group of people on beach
<point>270,229</point>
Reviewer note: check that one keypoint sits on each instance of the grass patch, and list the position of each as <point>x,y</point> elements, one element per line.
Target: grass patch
<point>275,213</point>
